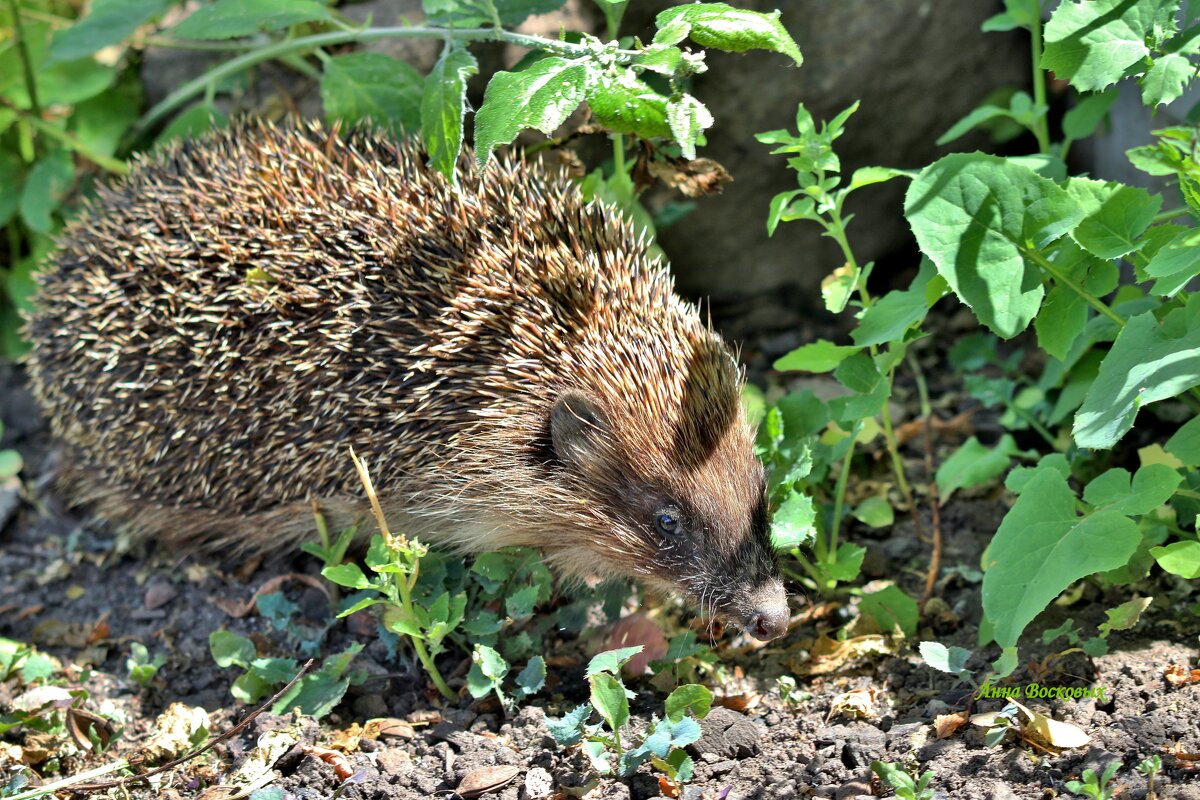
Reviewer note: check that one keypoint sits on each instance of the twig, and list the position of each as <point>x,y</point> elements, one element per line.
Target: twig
<point>935,556</point>
<point>26,62</point>
<point>123,783</point>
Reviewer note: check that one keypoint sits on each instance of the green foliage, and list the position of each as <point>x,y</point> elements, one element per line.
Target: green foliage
<point>908,787</point>
<point>489,669</point>
<point>603,742</point>
<point>11,462</point>
<point>141,666</point>
<point>316,694</point>
<point>1093,786</point>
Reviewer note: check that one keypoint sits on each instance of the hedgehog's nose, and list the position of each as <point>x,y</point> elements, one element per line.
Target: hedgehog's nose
<point>770,617</point>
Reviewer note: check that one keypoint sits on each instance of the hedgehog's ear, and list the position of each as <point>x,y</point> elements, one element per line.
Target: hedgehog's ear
<point>579,431</point>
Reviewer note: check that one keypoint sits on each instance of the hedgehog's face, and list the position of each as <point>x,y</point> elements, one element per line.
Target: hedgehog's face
<point>688,518</point>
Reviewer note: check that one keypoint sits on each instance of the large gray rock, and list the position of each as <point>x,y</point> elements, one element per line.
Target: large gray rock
<point>916,65</point>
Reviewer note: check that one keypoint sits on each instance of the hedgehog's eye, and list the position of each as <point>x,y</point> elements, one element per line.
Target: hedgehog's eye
<point>667,522</point>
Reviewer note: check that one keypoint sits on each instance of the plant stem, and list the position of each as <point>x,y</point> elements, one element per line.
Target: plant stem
<point>1167,216</point>
<point>839,498</point>
<point>26,61</point>
<point>305,44</point>
<point>104,162</point>
<point>1061,277</point>
<point>935,513</point>
<point>1041,129</point>
<point>419,645</point>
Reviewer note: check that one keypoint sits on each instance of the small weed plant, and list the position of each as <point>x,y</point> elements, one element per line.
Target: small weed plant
<point>907,786</point>
<point>1096,787</point>
<point>610,745</point>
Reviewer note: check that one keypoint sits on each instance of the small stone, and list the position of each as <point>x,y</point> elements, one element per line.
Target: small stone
<point>721,767</point>
<point>487,779</point>
<point>1001,792</point>
<point>538,783</point>
<point>728,734</point>
<point>158,594</point>
<point>394,761</point>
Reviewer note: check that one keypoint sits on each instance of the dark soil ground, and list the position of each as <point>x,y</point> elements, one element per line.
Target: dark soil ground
<point>65,588</point>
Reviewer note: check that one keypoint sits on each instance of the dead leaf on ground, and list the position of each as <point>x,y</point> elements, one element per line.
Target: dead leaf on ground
<point>174,730</point>
<point>341,765</point>
<point>696,178</point>
<point>739,702</point>
<point>426,716</point>
<point>82,725</point>
<point>1039,729</point>
<point>1177,675</point>
<point>946,725</point>
<point>827,655</point>
<point>859,703</point>
<point>487,779</point>
<point>237,611</point>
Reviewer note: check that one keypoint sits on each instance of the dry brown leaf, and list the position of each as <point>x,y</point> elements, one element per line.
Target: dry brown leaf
<point>390,726</point>
<point>1177,675</point>
<point>946,725</point>
<point>696,178</point>
<point>739,702</point>
<point>341,765</point>
<point>959,425</point>
<point>828,655</point>
<point>486,779</point>
<point>426,716</point>
<point>856,704</point>
<point>81,724</point>
<point>667,786</point>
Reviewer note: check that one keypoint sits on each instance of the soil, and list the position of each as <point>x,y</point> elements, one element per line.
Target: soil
<point>69,587</point>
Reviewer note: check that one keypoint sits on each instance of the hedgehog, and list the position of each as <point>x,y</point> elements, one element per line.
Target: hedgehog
<point>218,329</point>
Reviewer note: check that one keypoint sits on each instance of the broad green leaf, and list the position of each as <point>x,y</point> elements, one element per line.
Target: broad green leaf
<point>11,168</point>
<point>102,121</point>
<point>876,512</point>
<point>1115,215</point>
<point>1061,321</point>
<point>689,697</point>
<point>1179,558</point>
<point>348,575</point>
<point>45,187</point>
<point>688,119</point>
<point>858,373</point>
<point>891,608</point>
<point>490,662</point>
<point>1151,486</point>
<point>869,176</point>
<point>974,464</point>
<point>520,603</point>
<point>976,217</point>
<point>567,730</point>
<point>727,28</point>
<point>314,695</point>
<point>659,58</point>
<point>1175,263</point>
<point>11,463</point>
<point>1044,164</point>
<point>1166,80</point>
<point>250,688</point>
<point>973,118</point>
<point>819,356</point>
<point>1146,364</point>
<point>228,19</point>
<point>623,103</point>
<point>65,83</point>
<point>193,122</point>
<point>372,86</point>
<point>611,660</point>
<point>1093,43</point>
<point>541,96</point>
<point>945,659</point>
<point>794,522</point>
<point>229,649</point>
<point>1042,547</point>
<point>108,22</point>
<point>1082,120</point>
<point>847,564</point>
<point>891,315</point>
<point>532,678</point>
<point>478,13</point>
<point>1185,443</point>
<point>1124,616</point>
<point>443,103</point>
<point>609,699</point>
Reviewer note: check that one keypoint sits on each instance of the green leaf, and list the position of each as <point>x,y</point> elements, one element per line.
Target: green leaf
<point>108,22</point>
<point>541,96</point>
<point>1185,443</point>
<point>443,103</point>
<point>876,512</point>
<point>820,356</point>
<point>794,522</point>
<point>608,697</point>
<point>314,695</point>
<point>1115,215</point>
<point>611,660</point>
<point>567,731</point>
<point>945,659</point>
<point>478,13</point>
<point>688,118</point>
<point>1146,364</point>
<point>727,28</point>
<point>1179,558</point>
<point>102,121</point>
<point>228,649</point>
<point>532,678</point>
<point>623,103</point>
<point>1153,485</point>
<point>193,122</point>
<point>250,688</point>
<point>869,176</point>
<point>1175,263</point>
<point>520,603</point>
<point>11,463</point>
<point>45,187</point>
<point>1042,547</point>
<point>1166,80</point>
<point>973,118</point>
<point>348,575</point>
<point>228,19</point>
<point>892,315</point>
<point>973,464</point>
<point>1082,120</point>
<point>1124,616</point>
<point>11,168</point>
<point>891,608</point>
<point>1093,43</point>
<point>1061,321</point>
<point>65,83</point>
<point>975,216</point>
<point>372,86</point>
<point>489,665</point>
<point>847,563</point>
<point>689,697</point>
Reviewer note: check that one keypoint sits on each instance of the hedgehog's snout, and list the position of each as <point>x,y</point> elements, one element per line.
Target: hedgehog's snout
<point>769,614</point>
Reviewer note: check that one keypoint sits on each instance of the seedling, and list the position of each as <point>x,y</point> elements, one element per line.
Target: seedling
<point>142,667</point>
<point>1097,788</point>
<point>1150,767</point>
<point>907,786</point>
<point>606,742</point>
<point>489,669</point>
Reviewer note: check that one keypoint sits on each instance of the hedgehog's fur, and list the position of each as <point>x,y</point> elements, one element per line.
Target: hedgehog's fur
<point>219,328</point>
